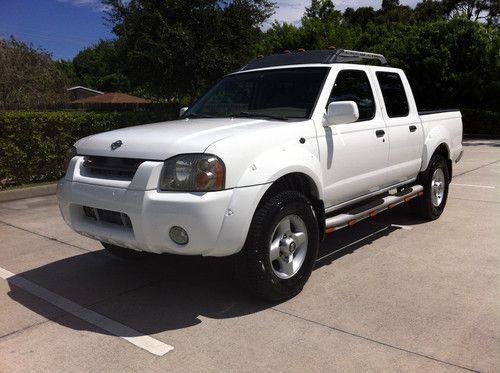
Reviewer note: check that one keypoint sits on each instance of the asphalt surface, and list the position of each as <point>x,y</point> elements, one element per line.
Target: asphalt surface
<point>390,294</point>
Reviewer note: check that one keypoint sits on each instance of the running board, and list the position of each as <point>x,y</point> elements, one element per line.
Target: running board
<point>371,209</point>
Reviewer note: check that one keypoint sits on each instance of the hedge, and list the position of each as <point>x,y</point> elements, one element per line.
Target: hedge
<point>33,144</point>
<point>481,122</point>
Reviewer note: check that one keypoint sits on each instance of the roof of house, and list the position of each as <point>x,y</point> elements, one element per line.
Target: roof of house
<point>85,89</point>
<point>113,98</point>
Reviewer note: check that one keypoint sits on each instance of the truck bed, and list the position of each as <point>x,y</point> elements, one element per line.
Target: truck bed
<point>443,126</point>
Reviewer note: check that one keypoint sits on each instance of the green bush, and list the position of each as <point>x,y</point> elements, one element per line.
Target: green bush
<point>33,144</point>
<point>481,122</point>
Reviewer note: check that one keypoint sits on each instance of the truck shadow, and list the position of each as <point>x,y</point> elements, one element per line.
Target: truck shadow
<point>169,293</point>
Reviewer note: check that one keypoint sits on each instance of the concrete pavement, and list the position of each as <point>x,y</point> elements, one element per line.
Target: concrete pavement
<point>389,294</point>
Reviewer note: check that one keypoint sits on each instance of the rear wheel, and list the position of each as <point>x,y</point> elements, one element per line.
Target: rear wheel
<point>124,253</point>
<point>435,181</point>
<point>281,247</point>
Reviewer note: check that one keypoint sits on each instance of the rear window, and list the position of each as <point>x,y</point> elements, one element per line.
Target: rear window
<point>394,94</point>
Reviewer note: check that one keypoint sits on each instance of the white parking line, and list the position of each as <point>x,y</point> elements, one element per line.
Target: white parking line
<point>474,186</point>
<point>136,338</point>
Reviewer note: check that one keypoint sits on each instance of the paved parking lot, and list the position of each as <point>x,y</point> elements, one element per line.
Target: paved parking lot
<point>392,293</point>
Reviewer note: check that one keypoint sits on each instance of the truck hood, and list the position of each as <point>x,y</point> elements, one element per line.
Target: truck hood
<point>159,141</point>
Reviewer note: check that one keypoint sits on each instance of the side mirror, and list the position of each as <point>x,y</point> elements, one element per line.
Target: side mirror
<point>341,112</point>
<point>182,111</point>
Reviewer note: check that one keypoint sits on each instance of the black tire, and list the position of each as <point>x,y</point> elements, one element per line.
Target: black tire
<point>254,263</point>
<point>124,253</point>
<point>424,207</point>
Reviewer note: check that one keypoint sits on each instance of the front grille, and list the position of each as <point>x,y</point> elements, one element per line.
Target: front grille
<point>108,216</point>
<point>110,167</point>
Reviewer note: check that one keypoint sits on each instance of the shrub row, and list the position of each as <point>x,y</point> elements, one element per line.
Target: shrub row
<point>33,144</point>
<point>481,122</point>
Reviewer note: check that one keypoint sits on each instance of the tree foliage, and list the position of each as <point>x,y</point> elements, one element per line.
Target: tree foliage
<point>28,76</point>
<point>100,66</point>
<point>451,62</point>
<point>474,9</point>
<point>177,48</point>
<point>323,10</point>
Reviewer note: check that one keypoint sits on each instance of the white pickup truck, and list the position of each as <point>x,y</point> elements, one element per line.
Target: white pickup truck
<point>269,160</point>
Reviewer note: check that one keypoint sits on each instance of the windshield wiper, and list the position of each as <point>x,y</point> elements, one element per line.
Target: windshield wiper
<point>198,115</point>
<point>247,114</point>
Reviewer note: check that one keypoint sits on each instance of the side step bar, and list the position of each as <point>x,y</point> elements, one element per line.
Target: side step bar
<point>340,221</point>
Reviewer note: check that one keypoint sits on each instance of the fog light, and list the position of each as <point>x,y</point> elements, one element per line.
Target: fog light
<point>179,235</point>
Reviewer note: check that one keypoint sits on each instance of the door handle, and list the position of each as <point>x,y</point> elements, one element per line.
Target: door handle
<point>413,128</point>
<point>380,133</point>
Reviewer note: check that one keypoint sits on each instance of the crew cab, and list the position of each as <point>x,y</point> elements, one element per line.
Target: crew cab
<point>269,160</point>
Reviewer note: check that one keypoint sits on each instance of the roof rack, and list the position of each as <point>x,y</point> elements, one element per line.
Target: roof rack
<point>345,55</point>
<point>325,56</point>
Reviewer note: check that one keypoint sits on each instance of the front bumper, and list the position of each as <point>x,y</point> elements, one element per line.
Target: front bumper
<point>217,222</point>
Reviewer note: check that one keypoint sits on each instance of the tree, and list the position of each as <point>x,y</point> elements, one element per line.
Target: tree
<point>323,10</point>
<point>361,16</point>
<point>388,5</point>
<point>392,12</point>
<point>101,67</point>
<point>29,77</point>
<point>474,9</point>
<point>177,48</point>
<point>68,69</point>
<point>429,11</point>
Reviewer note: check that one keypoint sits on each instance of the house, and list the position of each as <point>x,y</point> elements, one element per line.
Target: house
<point>79,92</point>
<point>112,98</point>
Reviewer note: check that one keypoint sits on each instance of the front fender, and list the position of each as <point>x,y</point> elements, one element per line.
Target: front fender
<point>271,165</point>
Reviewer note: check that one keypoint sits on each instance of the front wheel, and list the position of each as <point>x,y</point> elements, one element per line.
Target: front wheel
<point>281,247</point>
<point>435,180</point>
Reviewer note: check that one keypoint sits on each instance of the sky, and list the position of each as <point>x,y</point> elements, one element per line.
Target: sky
<point>64,27</point>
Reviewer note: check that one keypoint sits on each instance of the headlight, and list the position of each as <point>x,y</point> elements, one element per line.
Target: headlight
<point>193,172</point>
<point>69,155</point>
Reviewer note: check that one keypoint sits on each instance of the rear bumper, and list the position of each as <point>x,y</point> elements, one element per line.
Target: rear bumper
<point>216,222</point>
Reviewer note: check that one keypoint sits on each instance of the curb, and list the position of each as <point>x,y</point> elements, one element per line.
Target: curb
<point>28,192</point>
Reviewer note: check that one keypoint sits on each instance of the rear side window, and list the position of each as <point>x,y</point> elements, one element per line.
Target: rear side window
<point>353,85</point>
<point>394,94</point>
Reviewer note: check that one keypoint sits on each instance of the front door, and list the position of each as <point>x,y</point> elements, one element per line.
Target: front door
<point>355,154</point>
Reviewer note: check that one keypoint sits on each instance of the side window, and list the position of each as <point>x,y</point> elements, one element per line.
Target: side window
<point>394,94</point>
<point>353,85</point>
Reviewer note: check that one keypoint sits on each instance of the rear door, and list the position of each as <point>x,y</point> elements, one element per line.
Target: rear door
<point>356,153</point>
<point>404,128</point>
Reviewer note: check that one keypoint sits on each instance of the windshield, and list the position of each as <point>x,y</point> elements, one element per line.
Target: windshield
<point>277,94</point>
